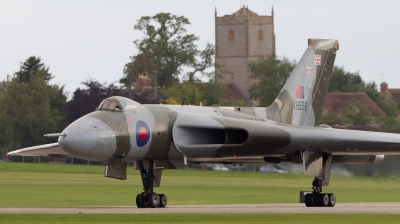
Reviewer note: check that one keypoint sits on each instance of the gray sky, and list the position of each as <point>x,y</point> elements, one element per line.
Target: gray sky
<point>94,38</point>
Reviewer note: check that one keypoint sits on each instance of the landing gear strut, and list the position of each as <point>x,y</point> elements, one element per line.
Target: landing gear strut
<point>148,198</point>
<point>318,199</point>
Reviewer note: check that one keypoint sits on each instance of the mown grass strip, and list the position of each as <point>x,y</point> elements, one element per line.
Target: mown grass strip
<point>64,185</point>
<point>199,218</point>
<point>50,168</point>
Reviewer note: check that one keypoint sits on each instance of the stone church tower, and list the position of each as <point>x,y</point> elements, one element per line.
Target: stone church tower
<point>240,38</point>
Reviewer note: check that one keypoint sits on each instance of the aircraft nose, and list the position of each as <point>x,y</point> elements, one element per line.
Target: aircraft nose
<point>89,138</point>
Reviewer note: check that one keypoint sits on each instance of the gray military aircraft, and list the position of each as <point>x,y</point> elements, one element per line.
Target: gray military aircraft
<point>158,137</point>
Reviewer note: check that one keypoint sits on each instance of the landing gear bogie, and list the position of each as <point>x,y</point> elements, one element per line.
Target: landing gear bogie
<point>318,199</point>
<point>148,198</point>
<point>153,200</point>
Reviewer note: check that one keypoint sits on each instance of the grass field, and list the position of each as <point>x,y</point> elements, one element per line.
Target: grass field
<point>198,218</point>
<point>59,185</point>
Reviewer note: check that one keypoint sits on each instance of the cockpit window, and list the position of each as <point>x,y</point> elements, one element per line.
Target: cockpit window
<point>104,104</point>
<point>117,103</point>
<point>123,104</point>
<point>110,105</point>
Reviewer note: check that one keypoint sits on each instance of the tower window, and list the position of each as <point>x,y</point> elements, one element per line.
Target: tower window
<point>231,37</point>
<point>260,35</point>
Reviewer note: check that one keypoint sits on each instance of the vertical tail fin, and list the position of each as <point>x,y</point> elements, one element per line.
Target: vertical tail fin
<point>302,98</point>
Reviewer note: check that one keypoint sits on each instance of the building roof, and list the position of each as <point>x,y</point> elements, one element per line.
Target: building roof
<point>335,102</point>
<point>233,93</point>
<point>148,95</point>
<point>244,12</point>
<point>395,94</point>
<point>391,94</point>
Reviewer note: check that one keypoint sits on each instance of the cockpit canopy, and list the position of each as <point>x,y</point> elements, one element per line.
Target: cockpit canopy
<point>118,103</point>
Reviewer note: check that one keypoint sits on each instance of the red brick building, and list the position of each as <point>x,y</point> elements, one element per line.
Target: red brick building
<point>334,102</point>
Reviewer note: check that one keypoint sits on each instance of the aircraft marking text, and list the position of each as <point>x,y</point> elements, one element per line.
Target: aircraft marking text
<point>300,105</point>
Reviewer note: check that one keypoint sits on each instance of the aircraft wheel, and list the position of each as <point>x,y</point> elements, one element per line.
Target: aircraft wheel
<point>314,200</point>
<point>317,198</point>
<point>154,200</point>
<point>311,200</point>
<point>308,200</point>
<point>141,201</point>
<point>324,200</point>
<point>163,200</point>
<point>332,200</point>
<point>137,201</point>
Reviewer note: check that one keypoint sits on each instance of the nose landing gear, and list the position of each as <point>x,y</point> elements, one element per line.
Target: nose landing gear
<point>318,199</point>
<point>148,198</point>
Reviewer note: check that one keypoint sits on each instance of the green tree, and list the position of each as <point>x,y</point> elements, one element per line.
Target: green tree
<point>389,107</point>
<point>29,69</point>
<point>389,124</point>
<point>166,49</point>
<point>211,92</point>
<point>31,107</point>
<point>357,113</point>
<point>350,114</point>
<point>85,100</point>
<point>333,118</point>
<point>187,90</point>
<point>232,103</point>
<point>271,74</point>
<point>201,66</point>
<point>27,112</point>
<point>342,81</point>
<point>4,85</point>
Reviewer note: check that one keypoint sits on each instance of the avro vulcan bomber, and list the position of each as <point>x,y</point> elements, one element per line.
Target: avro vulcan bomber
<point>158,137</point>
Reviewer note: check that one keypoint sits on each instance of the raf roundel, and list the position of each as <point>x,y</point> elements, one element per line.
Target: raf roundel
<point>142,133</point>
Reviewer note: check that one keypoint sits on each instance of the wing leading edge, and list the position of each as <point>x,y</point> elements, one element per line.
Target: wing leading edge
<point>52,149</point>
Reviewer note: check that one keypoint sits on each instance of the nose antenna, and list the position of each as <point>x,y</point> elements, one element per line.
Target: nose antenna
<point>54,135</point>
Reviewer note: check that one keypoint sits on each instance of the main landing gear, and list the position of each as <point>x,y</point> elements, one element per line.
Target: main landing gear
<point>318,199</point>
<point>148,198</point>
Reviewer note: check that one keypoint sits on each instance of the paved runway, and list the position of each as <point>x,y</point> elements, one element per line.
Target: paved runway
<point>342,208</point>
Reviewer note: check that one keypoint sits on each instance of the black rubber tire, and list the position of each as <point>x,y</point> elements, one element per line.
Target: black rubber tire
<point>332,200</point>
<point>308,200</point>
<point>318,200</point>
<point>163,200</point>
<point>154,200</point>
<point>137,201</point>
<point>314,200</point>
<point>141,202</point>
<point>324,200</point>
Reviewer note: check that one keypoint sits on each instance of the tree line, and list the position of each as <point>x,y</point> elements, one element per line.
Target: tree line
<point>354,113</point>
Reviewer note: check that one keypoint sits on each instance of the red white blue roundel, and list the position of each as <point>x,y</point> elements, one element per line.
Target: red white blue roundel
<point>142,133</point>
